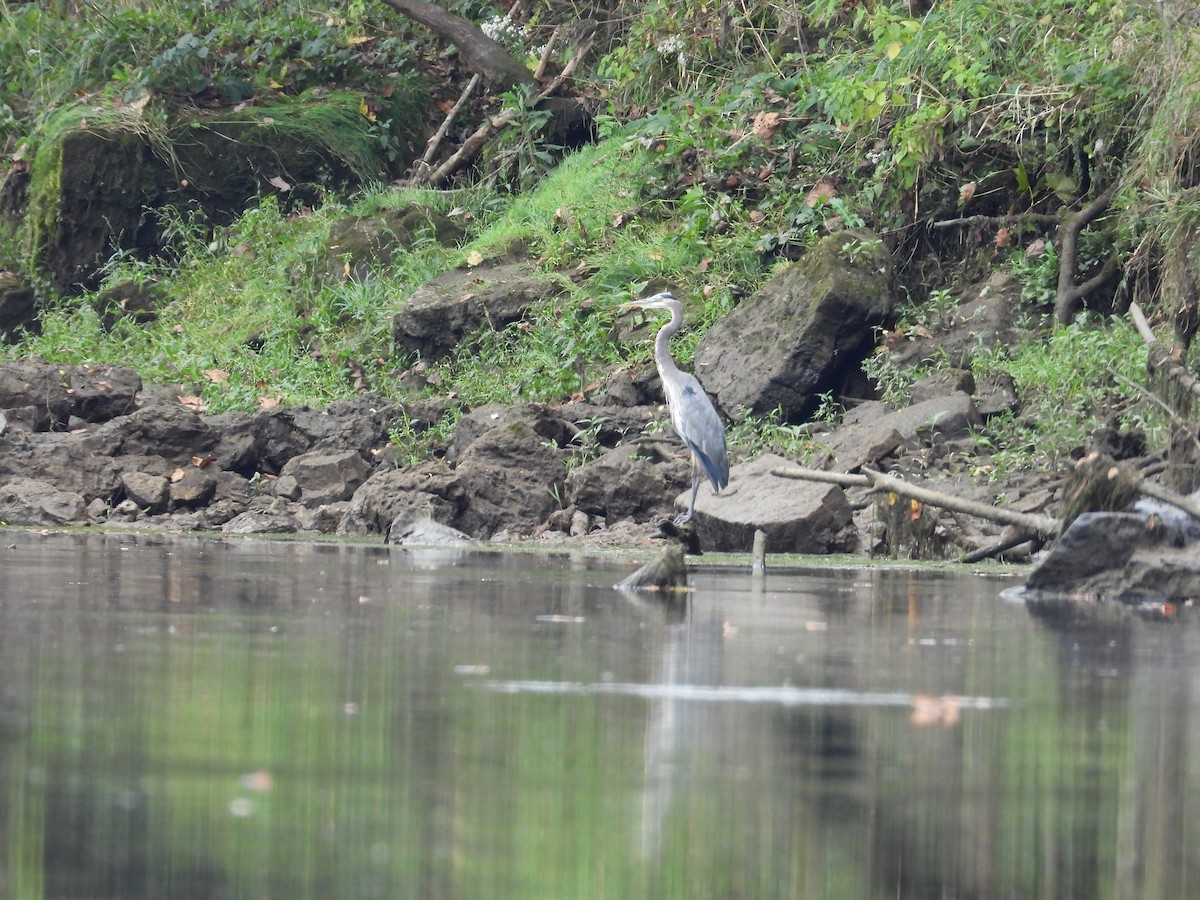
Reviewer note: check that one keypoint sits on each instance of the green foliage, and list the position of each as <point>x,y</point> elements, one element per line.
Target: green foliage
<point>215,55</point>
<point>1065,382</point>
<point>414,444</point>
<point>250,320</point>
<point>756,435</point>
<point>521,155</point>
<point>893,114</point>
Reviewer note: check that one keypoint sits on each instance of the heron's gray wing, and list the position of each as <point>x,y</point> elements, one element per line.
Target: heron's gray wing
<point>702,430</point>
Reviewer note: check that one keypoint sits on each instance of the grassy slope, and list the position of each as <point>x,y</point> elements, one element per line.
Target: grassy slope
<point>705,182</point>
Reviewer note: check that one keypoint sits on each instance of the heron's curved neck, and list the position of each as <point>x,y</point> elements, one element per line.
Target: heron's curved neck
<point>662,344</point>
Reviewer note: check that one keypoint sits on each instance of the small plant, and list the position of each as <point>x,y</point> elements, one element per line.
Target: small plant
<point>416,442</point>
<point>753,436</point>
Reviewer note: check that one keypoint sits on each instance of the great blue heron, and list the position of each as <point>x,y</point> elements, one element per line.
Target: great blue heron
<point>692,413</point>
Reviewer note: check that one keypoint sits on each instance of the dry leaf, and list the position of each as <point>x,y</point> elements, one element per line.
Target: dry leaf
<point>1003,238</point>
<point>914,510</point>
<point>177,475</point>
<point>822,190</point>
<point>1036,249</point>
<point>217,376</point>
<point>765,126</point>
<point>269,402</point>
<point>967,191</point>
<point>191,401</point>
<point>201,462</point>
<point>281,183</point>
<point>704,264</point>
<point>474,258</point>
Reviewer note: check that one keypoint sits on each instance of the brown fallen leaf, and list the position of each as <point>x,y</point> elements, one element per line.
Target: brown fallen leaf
<point>825,189</point>
<point>765,125</point>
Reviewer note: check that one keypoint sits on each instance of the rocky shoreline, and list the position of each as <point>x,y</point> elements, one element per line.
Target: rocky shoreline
<point>91,445</point>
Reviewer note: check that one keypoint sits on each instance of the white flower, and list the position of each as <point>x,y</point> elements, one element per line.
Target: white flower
<point>672,44</point>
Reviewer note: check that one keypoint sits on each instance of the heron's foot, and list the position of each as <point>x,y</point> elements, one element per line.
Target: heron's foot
<point>682,519</point>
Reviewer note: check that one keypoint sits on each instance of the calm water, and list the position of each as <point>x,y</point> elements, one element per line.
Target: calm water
<point>186,718</point>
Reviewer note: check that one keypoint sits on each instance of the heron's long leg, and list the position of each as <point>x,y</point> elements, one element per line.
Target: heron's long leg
<point>683,518</point>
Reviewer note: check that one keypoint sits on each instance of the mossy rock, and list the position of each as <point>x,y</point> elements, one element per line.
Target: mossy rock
<point>17,307</point>
<point>98,176</point>
<point>136,301</point>
<point>360,246</point>
<point>89,196</point>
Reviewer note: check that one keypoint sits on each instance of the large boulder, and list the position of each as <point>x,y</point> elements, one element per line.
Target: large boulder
<point>512,477</point>
<point>437,316</point>
<point>97,181</point>
<point>1148,555</point>
<point>60,393</point>
<point>986,314</point>
<point>28,501</point>
<point>429,490</point>
<point>628,482</point>
<point>874,430</point>
<point>361,424</point>
<point>362,246</point>
<point>325,477</point>
<point>803,333</point>
<point>796,516</point>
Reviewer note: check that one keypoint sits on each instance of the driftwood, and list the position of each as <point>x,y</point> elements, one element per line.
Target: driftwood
<point>1028,526</point>
<point>1037,526</point>
<point>999,221</point>
<point>1160,358</point>
<point>474,144</point>
<point>435,142</point>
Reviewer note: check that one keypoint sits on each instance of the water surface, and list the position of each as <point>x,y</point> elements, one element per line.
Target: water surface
<point>190,718</point>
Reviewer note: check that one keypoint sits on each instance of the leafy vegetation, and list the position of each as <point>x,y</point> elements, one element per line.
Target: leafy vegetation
<point>734,137</point>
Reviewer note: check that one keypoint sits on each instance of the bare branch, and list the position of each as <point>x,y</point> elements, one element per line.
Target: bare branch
<point>1041,526</point>
<point>479,52</point>
<point>1068,295</point>
<point>999,221</point>
<point>431,148</point>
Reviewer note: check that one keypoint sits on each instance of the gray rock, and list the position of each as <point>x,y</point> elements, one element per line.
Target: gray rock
<point>411,530</point>
<point>286,487</point>
<point>192,486</point>
<point>438,315</point>
<point>325,477</point>
<point>148,492</point>
<point>18,307</point>
<point>27,501</point>
<point>89,393</point>
<point>628,481</point>
<point>804,331</point>
<point>430,489</point>
<point>272,517</point>
<point>1126,556</point>
<point>986,315</point>
<point>796,516</point>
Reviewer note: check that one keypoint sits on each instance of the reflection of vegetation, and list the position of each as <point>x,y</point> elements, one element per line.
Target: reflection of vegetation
<point>309,736</point>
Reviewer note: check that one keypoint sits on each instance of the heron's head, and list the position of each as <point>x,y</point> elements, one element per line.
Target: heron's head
<point>665,300</point>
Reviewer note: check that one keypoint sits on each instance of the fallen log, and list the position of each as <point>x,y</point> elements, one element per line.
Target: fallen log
<point>1037,526</point>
